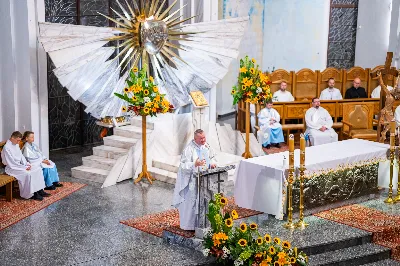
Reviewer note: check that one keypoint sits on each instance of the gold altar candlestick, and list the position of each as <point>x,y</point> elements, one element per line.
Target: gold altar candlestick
<point>390,200</point>
<point>397,198</point>
<point>290,224</point>
<point>301,223</point>
<point>144,172</point>
<point>247,153</point>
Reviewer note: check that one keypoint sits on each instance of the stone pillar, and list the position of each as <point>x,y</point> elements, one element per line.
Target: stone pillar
<point>23,68</point>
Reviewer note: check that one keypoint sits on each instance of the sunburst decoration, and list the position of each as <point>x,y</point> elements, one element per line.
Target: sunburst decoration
<point>184,57</point>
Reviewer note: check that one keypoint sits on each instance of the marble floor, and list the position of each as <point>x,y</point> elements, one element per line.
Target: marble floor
<point>84,228</point>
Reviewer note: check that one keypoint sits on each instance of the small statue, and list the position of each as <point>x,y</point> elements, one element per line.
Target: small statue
<point>386,114</point>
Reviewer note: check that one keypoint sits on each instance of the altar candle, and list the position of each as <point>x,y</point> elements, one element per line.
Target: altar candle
<point>392,133</point>
<point>302,149</point>
<point>291,143</point>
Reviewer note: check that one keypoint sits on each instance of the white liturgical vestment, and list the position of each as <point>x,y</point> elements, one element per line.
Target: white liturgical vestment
<point>282,96</point>
<point>185,193</point>
<point>376,93</point>
<point>330,94</point>
<point>29,181</point>
<point>397,115</point>
<point>315,119</point>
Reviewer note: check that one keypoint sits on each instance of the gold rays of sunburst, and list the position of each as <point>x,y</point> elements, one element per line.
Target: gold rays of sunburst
<point>138,12</point>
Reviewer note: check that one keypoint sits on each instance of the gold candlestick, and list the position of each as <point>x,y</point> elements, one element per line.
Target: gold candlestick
<point>247,153</point>
<point>290,224</point>
<point>301,223</point>
<point>397,198</point>
<point>389,199</point>
<point>144,173</point>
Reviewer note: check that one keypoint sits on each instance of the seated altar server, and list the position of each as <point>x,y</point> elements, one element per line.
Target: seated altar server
<point>270,128</point>
<point>319,125</point>
<point>34,156</point>
<point>331,93</point>
<point>282,95</point>
<point>376,93</point>
<point>30,178</point>
<point>197,154</point>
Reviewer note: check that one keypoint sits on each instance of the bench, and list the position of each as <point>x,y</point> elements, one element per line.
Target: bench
<point>6,180</point>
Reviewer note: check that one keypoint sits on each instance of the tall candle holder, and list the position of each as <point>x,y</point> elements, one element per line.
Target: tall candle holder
<point>290,224</point>
<point>301,223</point>
<point>390,199</point>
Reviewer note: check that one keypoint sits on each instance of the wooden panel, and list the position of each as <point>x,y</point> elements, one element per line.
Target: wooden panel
<point>279,109</point>
<point>278,76</point>
<point>306,82</point>
<point>296,111</point>
<point>366,106</point>
<point>330,107</point>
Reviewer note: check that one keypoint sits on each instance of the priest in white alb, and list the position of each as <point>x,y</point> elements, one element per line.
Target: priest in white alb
<point>376,93</point>
<point>331,93</point>
<point>197,155</point>
<point>319,125</point>
<point>30,179</point>
<point>282,95</point>
<point>270,128</point>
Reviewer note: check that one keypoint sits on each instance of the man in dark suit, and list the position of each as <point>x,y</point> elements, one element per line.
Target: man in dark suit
<point>356,91</point>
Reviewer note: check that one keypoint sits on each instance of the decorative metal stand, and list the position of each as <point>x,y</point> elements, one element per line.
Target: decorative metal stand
<point>144,173</point>
<point>301,223</point>
<point>290,224</point>
<point>247,153</point>
<point>390,199</point>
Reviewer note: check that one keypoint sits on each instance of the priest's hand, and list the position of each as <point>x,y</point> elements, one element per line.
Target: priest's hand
<point>323,128</point>
<point>200,163</point>
<point>213,165</point>
<point>28,167</point>
<point>46,162</point>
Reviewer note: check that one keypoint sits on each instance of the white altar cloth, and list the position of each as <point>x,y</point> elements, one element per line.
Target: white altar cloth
<point>260,182</point>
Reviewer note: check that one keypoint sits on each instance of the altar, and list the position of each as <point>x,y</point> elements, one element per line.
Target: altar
<point>334,172</point>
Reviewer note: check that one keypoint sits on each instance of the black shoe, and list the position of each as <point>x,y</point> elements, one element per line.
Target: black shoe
<point>268,146</point>
<point>277,145</point>
<point>52,187</point>
<point>56,184</point>
<point>36,196</point>
<point>43,194</point>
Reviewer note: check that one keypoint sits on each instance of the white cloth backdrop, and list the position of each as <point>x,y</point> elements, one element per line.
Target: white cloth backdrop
<point>260,181</point>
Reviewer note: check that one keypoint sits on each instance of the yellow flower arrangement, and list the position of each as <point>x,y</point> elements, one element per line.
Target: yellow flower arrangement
<point>234,215</point>
<point>242,242</point>
<point>142,95</point>
<point>253,85</point>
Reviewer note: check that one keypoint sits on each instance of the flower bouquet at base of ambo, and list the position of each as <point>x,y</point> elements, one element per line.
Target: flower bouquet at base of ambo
<point>142,95</point>
<point>244,245</point>
<point>253,85</point>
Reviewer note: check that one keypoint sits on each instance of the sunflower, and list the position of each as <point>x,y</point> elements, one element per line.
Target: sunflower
<point>146,92</point>
<point>229,222</point>
<point>252,71</point>
<point>223,201</point>
<point>243,227</point>
<point>243,70</point>
<point>135,69</point>
<point>292,260</point>
<point>126,90</point>
<point>272,250</point>
<point>233,92</point>
<point>259,240</point>
<point>258,84</point>
<point>234,215</point>
<point>146,110</point>
<point>242,242</point>
<point>124,109</point>
<point>151,79</point>
<point>253,226</point>
<point>244,87</point>
<point>267,238</point>
<point>155,89</point>
<point>134,98</point>
<point>253,60</point>
<point>286,244</point>
<point>277,240</point>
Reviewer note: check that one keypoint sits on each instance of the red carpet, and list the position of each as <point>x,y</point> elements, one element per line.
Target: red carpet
<point>385,228</point>
<point>18,209</point>
<point>168,220</point>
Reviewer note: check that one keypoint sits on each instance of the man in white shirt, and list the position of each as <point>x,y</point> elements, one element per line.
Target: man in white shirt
<point>376,93</point>
<point>331,93</point>
<point>270,128</point>
<point>282,95</point>
<point>319,125</point>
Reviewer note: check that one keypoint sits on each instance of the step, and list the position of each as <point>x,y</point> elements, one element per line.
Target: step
<point>170,164</point>
<point>356,255</point>
<point>163,175</point>
<point>119,142</point>
<point>387,262</point>
<point>129,132</point>
<point>99,162</point>
<point>89,173</point>
<point>137,122</point>
<point>255,147</point>
<point>109,151</point>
